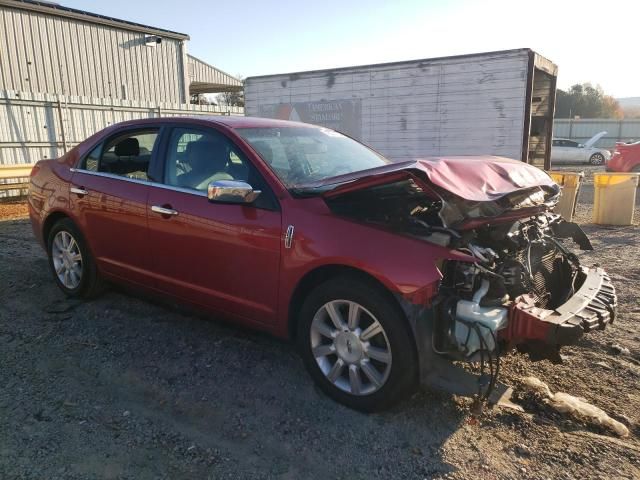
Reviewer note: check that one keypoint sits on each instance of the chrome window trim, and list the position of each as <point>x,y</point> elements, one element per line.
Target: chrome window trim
<point>138,181</point>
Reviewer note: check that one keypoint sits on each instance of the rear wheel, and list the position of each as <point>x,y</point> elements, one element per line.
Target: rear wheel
<point>356,344</point>
<point>596,159</point>
<point>71,261</point>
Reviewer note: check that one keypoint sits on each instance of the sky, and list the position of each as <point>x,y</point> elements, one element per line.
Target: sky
<point>590,41</point>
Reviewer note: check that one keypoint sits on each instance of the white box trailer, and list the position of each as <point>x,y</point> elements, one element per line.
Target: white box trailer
<point>496,103</point>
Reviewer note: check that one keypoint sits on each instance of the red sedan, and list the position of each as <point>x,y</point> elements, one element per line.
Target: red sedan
<point>383,273</point>
<point>626,158</point>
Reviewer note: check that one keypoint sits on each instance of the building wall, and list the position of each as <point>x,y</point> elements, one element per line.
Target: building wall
<point>468,105</point>
<point>43,53</point>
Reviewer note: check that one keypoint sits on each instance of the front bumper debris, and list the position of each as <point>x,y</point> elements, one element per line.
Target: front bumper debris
<point>593,306</point>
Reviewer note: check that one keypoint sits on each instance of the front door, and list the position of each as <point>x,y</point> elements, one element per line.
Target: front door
<point>109,196</point>
<point>221,256</point>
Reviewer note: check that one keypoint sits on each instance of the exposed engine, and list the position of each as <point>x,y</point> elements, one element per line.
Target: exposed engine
<point>514,259</point>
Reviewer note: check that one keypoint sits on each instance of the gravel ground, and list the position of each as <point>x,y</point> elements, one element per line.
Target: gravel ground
<point>121,387</point>
<point>12,210</point>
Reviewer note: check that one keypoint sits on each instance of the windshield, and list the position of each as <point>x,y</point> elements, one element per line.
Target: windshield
<point>300,155</point>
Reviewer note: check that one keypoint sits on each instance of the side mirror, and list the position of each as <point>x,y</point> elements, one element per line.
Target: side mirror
<point>580,145</point>
<point>231,191</point>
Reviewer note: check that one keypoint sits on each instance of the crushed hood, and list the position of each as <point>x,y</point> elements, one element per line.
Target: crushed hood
<point>482,179</point>
<point>470,187</point>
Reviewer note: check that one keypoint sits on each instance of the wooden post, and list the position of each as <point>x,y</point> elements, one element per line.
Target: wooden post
<point>619,131</point>
<point>570,127</point>
<point>62,132</point>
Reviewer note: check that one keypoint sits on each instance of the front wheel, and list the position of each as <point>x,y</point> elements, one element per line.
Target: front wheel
<point>356,344</point>
<point>71,261</point>
<point>596,159</point>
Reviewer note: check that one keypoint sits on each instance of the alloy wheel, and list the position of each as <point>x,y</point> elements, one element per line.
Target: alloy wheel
<point>597,159</point>
<point>351,347</point>
<point>67,259</point>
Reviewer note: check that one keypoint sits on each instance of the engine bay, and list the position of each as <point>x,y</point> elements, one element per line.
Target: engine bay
<point>521,258</point>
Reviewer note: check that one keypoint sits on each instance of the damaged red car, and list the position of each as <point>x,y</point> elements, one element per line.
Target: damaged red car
<point>386,275</point>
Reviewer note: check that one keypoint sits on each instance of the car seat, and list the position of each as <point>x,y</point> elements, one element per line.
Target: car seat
<point>208,161</point>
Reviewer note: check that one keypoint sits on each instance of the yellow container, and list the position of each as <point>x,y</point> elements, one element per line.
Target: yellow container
<point>570,183</point>
<point>615,198</point>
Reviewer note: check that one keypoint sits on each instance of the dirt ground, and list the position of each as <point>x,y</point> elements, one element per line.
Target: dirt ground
<point>124,388</point>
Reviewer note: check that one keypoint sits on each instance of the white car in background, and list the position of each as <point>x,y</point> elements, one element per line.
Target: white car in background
<point>564,150</point>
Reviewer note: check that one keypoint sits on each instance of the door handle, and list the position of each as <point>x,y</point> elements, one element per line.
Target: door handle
<point>164,210</point>
<point>79,191</point>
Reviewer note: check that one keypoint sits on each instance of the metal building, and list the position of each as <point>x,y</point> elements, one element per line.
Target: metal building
<point>49,48</point>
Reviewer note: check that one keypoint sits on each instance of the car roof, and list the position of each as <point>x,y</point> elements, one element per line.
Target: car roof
<point>226,120</point>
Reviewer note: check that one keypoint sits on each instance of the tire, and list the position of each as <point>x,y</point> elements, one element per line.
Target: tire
<point>596,159</point>
<point>83,280</point>
<point>388,356</point>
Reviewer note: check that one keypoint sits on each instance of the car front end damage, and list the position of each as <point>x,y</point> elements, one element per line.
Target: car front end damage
<point>514,282</point>
<point>524,289</point>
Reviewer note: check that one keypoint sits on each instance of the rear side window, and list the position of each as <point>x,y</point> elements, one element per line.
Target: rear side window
<point>127,155</point>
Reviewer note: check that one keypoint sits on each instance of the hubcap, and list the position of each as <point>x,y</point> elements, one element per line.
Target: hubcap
<point>350,347</point>
<point>67,259</point>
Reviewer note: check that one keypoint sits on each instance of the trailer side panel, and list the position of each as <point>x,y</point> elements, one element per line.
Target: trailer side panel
<point>467,105</point>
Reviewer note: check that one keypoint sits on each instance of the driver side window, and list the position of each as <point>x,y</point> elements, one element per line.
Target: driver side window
<point>196,158</point>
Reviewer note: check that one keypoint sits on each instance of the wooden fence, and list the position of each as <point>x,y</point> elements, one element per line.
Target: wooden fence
<point>14,178</point>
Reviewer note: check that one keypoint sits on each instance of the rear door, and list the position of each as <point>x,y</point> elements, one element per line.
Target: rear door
<point>109,196</point>
<point>222,256</point>
<point>573,152</point>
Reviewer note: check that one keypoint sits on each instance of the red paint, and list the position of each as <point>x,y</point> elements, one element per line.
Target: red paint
<point>626,158</point>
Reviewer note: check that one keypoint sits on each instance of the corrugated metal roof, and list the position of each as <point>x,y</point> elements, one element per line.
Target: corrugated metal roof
<point>59,10</point>
<point>205,78</point>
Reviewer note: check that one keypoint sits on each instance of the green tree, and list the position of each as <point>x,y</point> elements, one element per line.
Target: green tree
<point>231,99</point>
<point>586,101</point>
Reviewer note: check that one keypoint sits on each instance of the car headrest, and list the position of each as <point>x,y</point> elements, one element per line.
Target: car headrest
<point>212,154</point>
<point>264,149</point>
<point>129,147</point>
